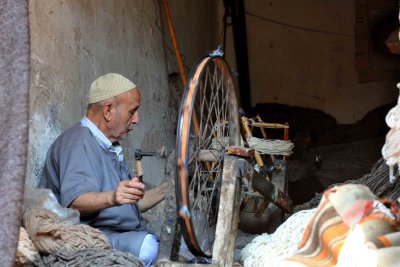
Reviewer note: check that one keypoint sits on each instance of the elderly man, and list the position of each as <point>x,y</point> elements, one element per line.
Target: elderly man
<point>85,169</point>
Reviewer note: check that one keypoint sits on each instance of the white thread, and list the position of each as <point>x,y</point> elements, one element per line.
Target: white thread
<point>391,148</point>
<point>263,146</point>
<point>270,249</point>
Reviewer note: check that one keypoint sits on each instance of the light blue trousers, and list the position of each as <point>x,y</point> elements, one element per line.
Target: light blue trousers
<point>125,242</point>
<point>149,250</point>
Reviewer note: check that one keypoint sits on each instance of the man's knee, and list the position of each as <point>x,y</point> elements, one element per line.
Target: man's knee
<point>126,241</point>
<point>149,250</point>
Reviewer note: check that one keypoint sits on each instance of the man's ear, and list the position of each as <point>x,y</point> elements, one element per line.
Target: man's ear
<point>107,111</point>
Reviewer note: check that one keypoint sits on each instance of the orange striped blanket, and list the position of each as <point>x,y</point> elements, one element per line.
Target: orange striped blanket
<point>351,227</point>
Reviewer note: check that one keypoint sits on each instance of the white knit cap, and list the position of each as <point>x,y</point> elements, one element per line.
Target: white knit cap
<point>107,86</point>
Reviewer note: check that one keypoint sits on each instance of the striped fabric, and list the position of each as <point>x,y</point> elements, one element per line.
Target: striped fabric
<point>349,219</point>
<point>323,237</point>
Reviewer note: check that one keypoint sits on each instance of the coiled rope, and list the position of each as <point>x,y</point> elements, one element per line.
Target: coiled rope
<point>87,258</point>
<point>51,235</point>
<point>26,251</point>
<point>62,243</point>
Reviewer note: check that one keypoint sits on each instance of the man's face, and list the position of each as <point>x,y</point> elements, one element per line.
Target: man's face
<point>126,114</point>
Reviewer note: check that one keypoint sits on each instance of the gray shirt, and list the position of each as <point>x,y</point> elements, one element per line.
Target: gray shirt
<point>77,164</point>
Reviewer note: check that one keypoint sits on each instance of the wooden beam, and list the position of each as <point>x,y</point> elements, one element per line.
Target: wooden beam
<point>241,151</point>
<point>169,236</point>
<point>228,214</point>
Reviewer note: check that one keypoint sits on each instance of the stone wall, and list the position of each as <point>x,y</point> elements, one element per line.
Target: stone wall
<point>74,41</point>
<point>302,53</point>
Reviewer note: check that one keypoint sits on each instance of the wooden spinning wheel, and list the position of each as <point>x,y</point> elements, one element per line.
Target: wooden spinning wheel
<point>208,124</point>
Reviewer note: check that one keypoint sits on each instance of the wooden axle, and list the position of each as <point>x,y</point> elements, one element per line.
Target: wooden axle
<point>213,155</point>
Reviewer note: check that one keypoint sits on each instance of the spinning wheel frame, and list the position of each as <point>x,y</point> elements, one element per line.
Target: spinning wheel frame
<point>191,120</point>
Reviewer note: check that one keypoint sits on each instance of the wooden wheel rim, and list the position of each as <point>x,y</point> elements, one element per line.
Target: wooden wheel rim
<point>185,125</point>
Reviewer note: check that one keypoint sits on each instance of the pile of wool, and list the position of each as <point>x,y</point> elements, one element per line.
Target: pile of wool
<point>270,249</point>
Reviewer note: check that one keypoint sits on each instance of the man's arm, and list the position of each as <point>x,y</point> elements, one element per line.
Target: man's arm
<point>153,196</point>
<point>127,192</point>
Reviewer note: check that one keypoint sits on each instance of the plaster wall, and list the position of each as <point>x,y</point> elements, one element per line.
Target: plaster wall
<point>302,53</point>
<point>73,42</point>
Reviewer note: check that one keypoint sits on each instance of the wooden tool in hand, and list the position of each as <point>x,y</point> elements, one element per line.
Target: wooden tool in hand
<point>139,154</point>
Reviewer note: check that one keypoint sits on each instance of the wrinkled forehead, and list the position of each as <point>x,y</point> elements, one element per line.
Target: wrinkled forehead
<point>131,97</point>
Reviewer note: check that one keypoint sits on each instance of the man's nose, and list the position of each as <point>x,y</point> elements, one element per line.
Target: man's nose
<point>135,118</point>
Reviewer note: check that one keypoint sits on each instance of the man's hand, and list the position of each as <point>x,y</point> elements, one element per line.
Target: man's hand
<point>153,196</point>
<point>128,192</point>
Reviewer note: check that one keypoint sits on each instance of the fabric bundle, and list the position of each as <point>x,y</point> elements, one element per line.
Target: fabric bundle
<point>351,227</point>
